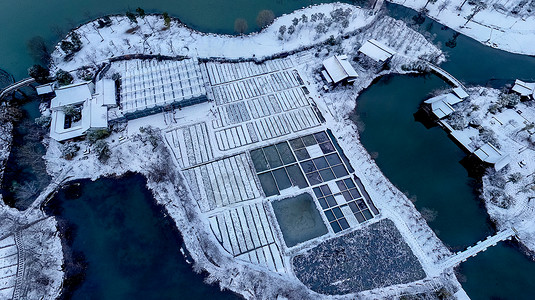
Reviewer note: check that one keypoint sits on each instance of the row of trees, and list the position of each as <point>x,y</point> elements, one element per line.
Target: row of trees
<point>140,12</point>
<point>264,18</point>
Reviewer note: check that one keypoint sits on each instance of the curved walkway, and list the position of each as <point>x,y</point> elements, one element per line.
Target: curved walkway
<point>444,74</point>
<point>15,86</point>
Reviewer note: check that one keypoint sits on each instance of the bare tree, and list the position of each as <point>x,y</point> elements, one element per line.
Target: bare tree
<point>264,18</point>
<point>240,25</point>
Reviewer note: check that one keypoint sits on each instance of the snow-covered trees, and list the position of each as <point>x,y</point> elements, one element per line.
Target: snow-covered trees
<point>43,121</point>
<point>102,150</point>
<point>457,120</point>
<point>104,22</point>
<point>69,150</point>
<point>282,30</point>
<point>63,77</point>
<point>149,134</point>
<point>508,100</point>
<point>166,20</point>
<point>73,112</point>
<point>97,134</point>
<point>140,12</point>
<point>488,136</point>
<point>40,73</point>
<point>132,17</point>
<point>72,44</point>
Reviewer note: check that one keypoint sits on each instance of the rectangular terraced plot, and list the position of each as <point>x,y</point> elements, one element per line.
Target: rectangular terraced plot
<point>255,87</point>
<point>231,114</point>
<point>245,233</point>
<point>190,144</point>
<point>219,73</point>
<point>277,169</point>
<point>223,182</point>
<point>234,137</point>
<point>342,204</point>
<point>8,267</point>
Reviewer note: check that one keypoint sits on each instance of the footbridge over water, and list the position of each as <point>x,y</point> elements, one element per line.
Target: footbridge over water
<point>459,257</point>
<point>444,74</point>
<point>15,86</point>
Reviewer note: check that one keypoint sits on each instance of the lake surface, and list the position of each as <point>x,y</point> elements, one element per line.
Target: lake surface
<point>131,249</point>
<point>51,19</point>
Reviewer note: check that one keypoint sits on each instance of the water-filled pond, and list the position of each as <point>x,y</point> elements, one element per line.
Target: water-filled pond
<point>299,219</point>
<point>131,248</point>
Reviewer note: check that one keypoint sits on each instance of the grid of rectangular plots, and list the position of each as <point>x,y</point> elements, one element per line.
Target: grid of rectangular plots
<point>277,168</point>
<point>318,158</point>
<point>335,204</point>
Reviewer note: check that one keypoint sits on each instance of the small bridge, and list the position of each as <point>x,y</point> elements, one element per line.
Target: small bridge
<point>442,73</point>
<point>471,251</point>
<point>15,86</point>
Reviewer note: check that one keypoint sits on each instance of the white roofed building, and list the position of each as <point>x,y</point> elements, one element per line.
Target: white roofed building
<point>441,106</point>
<point>460,92</point>
<point>45,89</point>
<point>490,154</point>
<point>525,89</point>
<point>337,69</point>
<point>93,106</point>
<point>376,51</point>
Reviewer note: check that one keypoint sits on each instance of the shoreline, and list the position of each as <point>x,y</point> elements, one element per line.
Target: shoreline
<point>75,262</point>
<point>203,250</point>
<point>217,265</point>
<point>499,34</point>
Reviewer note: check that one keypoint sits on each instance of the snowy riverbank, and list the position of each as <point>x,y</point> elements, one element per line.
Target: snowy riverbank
<point>506,25</point>
<point>145,151</point>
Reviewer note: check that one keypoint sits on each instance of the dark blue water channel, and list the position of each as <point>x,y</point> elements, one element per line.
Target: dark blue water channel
<point>426,165</point>
<point>130,248</point>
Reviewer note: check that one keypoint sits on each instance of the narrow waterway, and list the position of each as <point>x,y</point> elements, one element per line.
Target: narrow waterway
<point>130,247</point>
<point>425,163</point>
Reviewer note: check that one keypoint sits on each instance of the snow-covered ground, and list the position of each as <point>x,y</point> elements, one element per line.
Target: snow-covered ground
<point>31,257</point>
<point>503,24</point>
<point>495,116</point>
<point>6,135</point>
<point>197,159</point>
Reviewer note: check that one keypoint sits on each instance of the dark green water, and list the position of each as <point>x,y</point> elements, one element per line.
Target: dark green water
<point>131,250</point>
<point>51,19</point>
<point>470,61</point>
<point>424,163</point>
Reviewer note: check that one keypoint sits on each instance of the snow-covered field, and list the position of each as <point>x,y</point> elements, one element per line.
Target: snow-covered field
<point>31,257</point>
<point>503,24</point>
<point>198,162</point>
<point>495,116</point>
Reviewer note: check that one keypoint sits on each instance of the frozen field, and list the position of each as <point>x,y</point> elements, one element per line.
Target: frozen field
<point>8,267</point>
<point>262,139</point>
